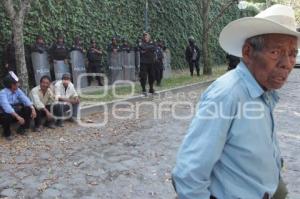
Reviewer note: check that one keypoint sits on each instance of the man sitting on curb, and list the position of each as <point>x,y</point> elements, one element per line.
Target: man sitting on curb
<point>15,106</point>
<point>66,94</point>
<point>43,97</point>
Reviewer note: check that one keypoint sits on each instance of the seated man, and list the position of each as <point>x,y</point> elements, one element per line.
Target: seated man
<point>15,106</point>
<point>67,95</point>
<point>43,97</point>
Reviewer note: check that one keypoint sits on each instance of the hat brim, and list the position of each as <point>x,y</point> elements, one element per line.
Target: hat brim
<point>234,35</point>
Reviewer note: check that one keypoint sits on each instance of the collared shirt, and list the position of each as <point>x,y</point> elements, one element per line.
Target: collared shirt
<point>9,98</point>
<point>230,150</point>
<point>61,91</point>
<point>39,99</point>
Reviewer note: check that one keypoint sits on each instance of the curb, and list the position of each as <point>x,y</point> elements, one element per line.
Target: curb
<point>99,106</point>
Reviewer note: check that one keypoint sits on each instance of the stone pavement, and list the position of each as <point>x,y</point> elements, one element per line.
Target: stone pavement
<point>287,116</point>
<point>127,158</point>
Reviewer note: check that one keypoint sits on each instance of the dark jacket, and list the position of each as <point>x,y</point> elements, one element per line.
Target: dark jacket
<point>147,53</point>
<point>40,48</point>
<point>59,52</point>
<point>189,53</point>
<point>77,47</point>
<point>112,47</point>
<point>94,57</point>
<point>159,56</point>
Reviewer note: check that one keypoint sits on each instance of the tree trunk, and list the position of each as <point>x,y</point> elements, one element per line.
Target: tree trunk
<point>207,67</point>
<point>20,54</point>
<point>17,17</point>
<point>207,70</point>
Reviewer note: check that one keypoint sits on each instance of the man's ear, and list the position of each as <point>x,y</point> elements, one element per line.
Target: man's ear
<point>247,52</point>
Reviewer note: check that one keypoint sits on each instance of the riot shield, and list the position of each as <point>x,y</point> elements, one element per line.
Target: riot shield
<point>115,70</point>
<point>167,64</point>
<point>60,68</point>
<point>40,65</point>
<point>78,68</point>
<point>129,65</point>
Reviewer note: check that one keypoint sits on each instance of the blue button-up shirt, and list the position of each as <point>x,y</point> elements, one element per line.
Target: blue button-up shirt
<point>230,150</point>
<point>9,98</point>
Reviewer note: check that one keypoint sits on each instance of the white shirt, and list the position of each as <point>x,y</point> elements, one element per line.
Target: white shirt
<point>39,99</point>
<point>61,91</point>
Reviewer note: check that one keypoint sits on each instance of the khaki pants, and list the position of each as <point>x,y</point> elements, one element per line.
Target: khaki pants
<point>281,191</point>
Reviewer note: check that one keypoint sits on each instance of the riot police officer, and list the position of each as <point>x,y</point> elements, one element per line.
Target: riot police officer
<point>59,52</point>
<point>39,45</point>
<point>113,46</point>
<point>94,56</point>
<point>125,45</point>
<point>192,56</point>
<point>147,60</point>
<point>77,45</point>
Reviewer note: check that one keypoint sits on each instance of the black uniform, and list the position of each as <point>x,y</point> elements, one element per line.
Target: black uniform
<point>77,47</point>
<point>58,52</point>
<point>125,47</point>
<point>147,60</point>
<point>113,47</point>
<point>159,67</point>
<point>94,65</point>
<point>39,48</point>
<point>192,56</point>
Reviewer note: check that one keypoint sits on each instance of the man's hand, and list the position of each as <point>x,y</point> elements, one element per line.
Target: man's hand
<point>6,65</point>
<point>33,113</point>
<point>48,114</point>
<point>20,120</point>
<point>75,101</point>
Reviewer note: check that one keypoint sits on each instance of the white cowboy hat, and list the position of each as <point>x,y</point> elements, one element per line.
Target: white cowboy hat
<point>275,19</point>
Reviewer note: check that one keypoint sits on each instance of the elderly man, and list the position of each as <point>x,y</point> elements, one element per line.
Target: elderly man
<point>231,150</point>
<point>15,106</point>
<point>66,94</point>
<point>43,98</point>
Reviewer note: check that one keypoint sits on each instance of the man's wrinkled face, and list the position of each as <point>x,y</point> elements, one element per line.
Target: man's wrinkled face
<point>45,84</point>
<point>272,65</point>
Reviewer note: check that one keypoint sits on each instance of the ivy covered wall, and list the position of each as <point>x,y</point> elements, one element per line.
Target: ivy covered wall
<point>170,20</point>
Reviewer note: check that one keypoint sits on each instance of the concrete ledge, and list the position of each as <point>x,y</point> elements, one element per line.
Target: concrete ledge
<point>98,107</point>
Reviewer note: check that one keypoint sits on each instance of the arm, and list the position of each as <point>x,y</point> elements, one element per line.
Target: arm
<point>98,51</point>
<point>202,148</point>
<point>187,54</point>
<point>26,101</point>
<point>198,53</point>
<point>9,109</point>
<point>36,99</point>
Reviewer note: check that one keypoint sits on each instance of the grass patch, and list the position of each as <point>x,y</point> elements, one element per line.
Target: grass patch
<point>179,78</point>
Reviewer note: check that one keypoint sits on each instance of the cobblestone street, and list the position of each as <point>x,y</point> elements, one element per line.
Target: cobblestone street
<point>129,158</point>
